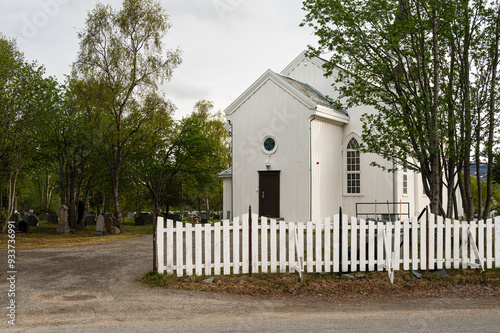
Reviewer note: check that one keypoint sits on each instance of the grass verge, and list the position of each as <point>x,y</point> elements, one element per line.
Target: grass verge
<point>44,235</point>
<point>460,284</point>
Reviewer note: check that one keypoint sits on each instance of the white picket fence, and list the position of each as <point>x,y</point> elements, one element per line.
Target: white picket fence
<point>332,245</point>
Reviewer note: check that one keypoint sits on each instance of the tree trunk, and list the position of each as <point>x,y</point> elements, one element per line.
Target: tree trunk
<point>116,201</point>
<point>491,118</point>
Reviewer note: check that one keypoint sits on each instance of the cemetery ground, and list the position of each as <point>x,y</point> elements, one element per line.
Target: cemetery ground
<point>98,288</point>
<point>44,235</point>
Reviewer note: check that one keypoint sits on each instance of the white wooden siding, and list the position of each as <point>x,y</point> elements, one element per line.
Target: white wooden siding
<point>273,111</point>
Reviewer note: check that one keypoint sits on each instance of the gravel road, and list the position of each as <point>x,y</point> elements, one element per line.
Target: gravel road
<point>95,289</point>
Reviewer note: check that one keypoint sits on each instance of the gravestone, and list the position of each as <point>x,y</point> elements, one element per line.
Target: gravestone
<point>109,224</point>
<point>130,215</point>
<point>90,220</point>
<point>32,221</point>
<point>99,228</point>
<point>44,217</point>
<point>24,227</point>
<point>139,220</point>
<point>63,227</point>
<point>114,230</point>
<point>15,218</point>
<point>52,218</point>
<point>204,217</point>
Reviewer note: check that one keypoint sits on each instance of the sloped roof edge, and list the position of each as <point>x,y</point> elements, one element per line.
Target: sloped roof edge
<point>269,75</point>
<point>301,57</point>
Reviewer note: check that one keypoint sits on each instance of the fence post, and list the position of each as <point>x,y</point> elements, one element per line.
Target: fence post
<point>155,267</point>
<point>250,241</point>
<point>427,238</point>
<point>340,241</point>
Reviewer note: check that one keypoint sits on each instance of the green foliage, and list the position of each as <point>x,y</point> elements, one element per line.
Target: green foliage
<point>424,66</point>
<point>28,100</point>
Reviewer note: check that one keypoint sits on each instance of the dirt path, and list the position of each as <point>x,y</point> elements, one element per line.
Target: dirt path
<point>95,286</point>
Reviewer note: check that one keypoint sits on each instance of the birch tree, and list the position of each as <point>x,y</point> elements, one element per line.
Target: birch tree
<point>122,52</point>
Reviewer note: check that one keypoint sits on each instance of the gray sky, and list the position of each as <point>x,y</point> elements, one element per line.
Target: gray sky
<point>226,44</point>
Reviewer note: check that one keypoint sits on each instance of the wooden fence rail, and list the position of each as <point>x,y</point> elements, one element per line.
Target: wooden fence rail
<point>338,244</point>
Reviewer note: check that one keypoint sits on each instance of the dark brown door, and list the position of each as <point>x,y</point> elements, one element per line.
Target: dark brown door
<point>269,193</point>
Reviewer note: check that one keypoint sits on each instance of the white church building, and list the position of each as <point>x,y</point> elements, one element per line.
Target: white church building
<point>294,155</point>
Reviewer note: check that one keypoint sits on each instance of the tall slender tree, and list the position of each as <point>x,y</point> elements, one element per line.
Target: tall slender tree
<point>122,52</point>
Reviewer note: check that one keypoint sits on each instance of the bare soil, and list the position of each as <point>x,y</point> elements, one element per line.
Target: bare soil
<point>59,289</point>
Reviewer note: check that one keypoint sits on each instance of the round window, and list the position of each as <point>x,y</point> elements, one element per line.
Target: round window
<point>269,145</point>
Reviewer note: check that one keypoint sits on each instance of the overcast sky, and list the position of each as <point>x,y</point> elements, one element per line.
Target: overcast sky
<point>226,44</point>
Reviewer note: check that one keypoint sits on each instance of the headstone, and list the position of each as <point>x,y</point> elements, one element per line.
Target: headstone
<point>99,228</point>
<point>109,224</point>
<point>90,220</point>
<point>139,220</point>
<point>53,218</point>
<point>204,217</point>
<point>44,217</point>
<point>32,221</point>
<point>15,218</point>
<point>63,227</point>
<point>114,230</point>
<point>24,227</point>
<point>130,215</point>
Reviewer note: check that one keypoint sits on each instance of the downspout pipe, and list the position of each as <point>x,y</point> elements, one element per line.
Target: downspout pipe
<point>310,167</point>
<point>232,172</point>
<point>394,188</point>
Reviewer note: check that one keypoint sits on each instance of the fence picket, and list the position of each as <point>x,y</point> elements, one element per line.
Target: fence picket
<point>456,244</point>
<point>310,259</point>
<point>179,242</point>
<point>160,245</point>
<point>189,249</point>
<point>345,243</point>
<point>423,244</point>
<point>255,243</point>
<point>244,242</point>
<point>473,230</point>
<point>170,244</point>
<point>300,237</point>
<point>489,243</point>
<point>198,249</point>
<point>273,246</point>
<point>362,245</point>
<point>217,242</point>
<point>439,242</point>
<point>226,259</point>
<point>282,251</point>
<point>264,259</point>
<point>432,237</point>
<point>380,246</point>
<point>447,245</point>
<point>319,247</point>
<point>336,244</point>
<point>397,245</point>
<point>406,245</point>
<point>465,244</point>
<point>480,239</point>
<point>291,247</point>
<point>208,249</point>
<point>236,246</point>
<point>328,255</point>
<point>497,241</point>
<point>371,245</point>
<point>354,245</point>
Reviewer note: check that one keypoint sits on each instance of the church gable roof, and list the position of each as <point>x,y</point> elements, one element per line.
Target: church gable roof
<point>304,93</point>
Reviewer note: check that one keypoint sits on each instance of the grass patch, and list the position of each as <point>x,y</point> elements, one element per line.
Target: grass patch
<point>461,284</point>
<point>45,235</point>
